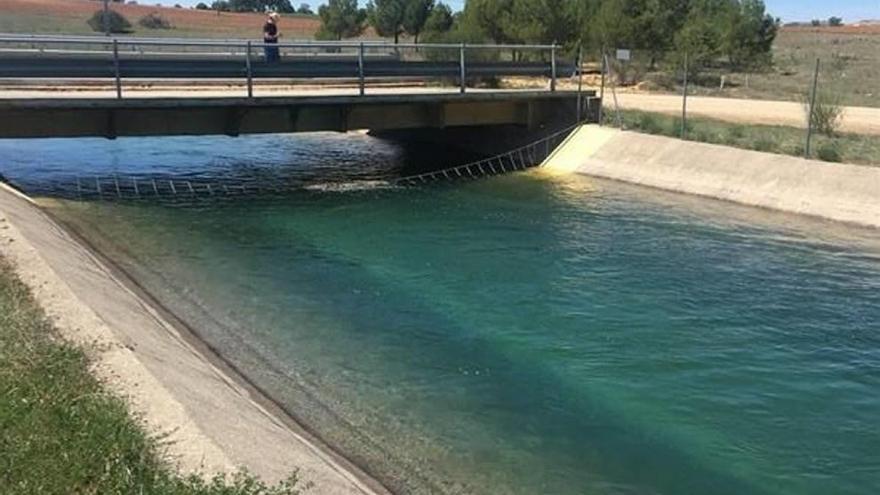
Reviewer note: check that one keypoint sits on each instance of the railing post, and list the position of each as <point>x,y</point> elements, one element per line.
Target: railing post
<point>250,73</point>
<point>553,67</point>
<point>116,69</point>
<point>812,111</point>
<point>361,83</point>
<point>462,71</point>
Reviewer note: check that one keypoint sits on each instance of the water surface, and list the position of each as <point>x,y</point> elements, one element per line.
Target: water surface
<point>519,334</point>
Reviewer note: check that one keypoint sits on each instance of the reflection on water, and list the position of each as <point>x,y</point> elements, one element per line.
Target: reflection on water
<point>521,334</point>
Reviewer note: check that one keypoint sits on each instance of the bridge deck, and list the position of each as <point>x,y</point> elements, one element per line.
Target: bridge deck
<point>111,117</point>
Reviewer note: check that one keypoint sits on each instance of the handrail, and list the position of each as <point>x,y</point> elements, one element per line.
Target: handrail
<point>244,49</point>
<point>242,43</point>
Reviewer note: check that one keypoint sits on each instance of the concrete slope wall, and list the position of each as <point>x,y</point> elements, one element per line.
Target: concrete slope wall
<point>848,193</point>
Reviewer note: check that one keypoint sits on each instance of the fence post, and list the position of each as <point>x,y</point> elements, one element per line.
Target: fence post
<point>361,83</point>
<point>580,81</point>
<point>553,67</point>
<point>684,99</point>
<point>462,71</point>
<point>614,95</point>
<point>250,73</point>
<point>116,69</point>
<point>602,89</point>
<point>812,110</point>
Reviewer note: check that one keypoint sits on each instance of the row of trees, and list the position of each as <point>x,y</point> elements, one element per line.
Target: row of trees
<point>389,18</point>
<point>283,6</point>
<point>740,30</point>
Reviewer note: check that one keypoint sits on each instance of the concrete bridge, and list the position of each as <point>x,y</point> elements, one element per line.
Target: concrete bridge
<point>111,117</point>
<point>37,74</point>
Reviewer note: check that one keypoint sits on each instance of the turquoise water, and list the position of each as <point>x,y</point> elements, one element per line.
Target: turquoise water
<point>531,335</point>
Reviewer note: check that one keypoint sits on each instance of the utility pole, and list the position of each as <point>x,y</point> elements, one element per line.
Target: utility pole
<point>106,18</point>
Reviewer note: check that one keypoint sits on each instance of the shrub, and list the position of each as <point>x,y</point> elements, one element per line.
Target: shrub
<point>117,22</point>
<point>736,132</point>
<point>827,112</point>
<point>648,123</point>
<point>699,136</point>
<point>676,127</point>
<point>829,152</point>
<point>154,20</point>
<point>763,144</point>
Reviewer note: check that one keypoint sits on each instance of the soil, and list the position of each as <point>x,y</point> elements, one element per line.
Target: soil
<point>206,22</point>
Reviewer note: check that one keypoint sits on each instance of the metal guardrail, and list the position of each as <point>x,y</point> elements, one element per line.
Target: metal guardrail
<point>245,49</point>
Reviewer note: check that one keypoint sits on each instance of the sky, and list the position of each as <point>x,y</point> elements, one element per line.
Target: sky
<point>788,10</point>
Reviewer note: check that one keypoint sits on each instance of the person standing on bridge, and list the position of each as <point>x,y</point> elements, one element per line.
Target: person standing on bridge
<point>270,36</point>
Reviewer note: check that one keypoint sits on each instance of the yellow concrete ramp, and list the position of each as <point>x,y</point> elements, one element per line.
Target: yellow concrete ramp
<point>582,143</point>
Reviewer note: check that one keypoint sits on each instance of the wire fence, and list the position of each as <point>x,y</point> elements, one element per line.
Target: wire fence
<point>817,97</point>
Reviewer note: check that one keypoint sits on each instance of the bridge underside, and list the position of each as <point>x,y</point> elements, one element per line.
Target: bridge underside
<point>111,118</point>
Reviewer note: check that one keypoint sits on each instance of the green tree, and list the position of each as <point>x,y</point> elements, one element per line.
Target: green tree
<point>748,42</point>
<point>415,15</point>
<point>488,19</point>
<point>542,21</point>
<point>655,27</point>
<point>440,20</point>
<point>202,6</point>
<point>614,24</point>
<point>341,19</point>
<point>260,6</point>
<point>304,9</point>
<point>386,17</point>
<point>698,40</point>
<point>835,21</point>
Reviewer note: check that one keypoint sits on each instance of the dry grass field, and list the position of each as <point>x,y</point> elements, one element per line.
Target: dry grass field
<point>70,16</point>
<point>849,68</point>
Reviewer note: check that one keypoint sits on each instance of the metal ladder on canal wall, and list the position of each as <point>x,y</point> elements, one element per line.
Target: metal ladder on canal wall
<point>117,187</point>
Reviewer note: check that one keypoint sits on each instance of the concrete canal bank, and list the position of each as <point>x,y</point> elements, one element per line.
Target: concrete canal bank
<point>846,193</point>
<point>212,419</point>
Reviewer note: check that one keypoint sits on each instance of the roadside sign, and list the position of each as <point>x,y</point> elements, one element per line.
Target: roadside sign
<point>623,54</point>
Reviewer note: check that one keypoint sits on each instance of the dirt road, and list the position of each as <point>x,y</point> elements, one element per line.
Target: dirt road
<point>861,120</point>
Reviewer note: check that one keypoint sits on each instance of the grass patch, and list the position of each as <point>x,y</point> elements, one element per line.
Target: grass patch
<point>61,432</point>
<point>828,152</point>
<point>848,148</point>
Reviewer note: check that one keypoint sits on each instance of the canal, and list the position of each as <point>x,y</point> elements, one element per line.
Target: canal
<point>520,334</point>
